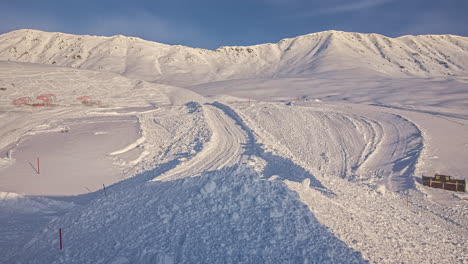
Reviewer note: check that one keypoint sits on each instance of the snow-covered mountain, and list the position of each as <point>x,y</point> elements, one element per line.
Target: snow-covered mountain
<point>132,170</point>
<point>303,56</point>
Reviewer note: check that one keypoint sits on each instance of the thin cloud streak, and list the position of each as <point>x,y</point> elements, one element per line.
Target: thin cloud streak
<point>349,7</point>
<point>346,7</point>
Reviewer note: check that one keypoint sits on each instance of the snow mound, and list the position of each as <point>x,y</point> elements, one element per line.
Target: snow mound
<point>228,216</point>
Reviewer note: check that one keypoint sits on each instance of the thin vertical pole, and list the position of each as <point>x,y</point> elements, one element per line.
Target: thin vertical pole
<point>104,187</point>
<point>38,166</point>
<point>60,235</point>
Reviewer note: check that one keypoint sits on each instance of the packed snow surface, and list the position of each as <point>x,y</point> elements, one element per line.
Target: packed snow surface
<point>310,150</point>
<point>62,172</point>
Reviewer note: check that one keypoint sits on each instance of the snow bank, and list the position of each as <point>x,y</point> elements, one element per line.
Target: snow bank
<point>228,216</point>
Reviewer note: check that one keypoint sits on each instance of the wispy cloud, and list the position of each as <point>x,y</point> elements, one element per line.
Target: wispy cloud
<point>330,7</point>
<point>283,2</point>
<point>349,6</point>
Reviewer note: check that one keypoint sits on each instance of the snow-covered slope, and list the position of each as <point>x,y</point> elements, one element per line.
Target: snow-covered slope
<point>89,145</point>
<point>330,51</point>
<point>151,173</point>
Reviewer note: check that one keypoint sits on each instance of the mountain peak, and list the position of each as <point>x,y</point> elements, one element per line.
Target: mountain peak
<point>431,55</point>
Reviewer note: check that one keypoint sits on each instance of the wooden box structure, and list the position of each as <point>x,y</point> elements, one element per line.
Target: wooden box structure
<point>444,182</point>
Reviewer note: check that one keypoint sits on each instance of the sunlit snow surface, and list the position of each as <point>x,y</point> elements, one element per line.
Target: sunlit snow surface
<point>325,169</point>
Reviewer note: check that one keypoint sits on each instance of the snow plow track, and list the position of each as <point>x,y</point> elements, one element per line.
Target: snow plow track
<point>233,142</point>
<point>223,149</point>
<point>375,147</point>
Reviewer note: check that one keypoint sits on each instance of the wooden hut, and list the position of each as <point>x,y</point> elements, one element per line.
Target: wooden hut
<point>445,182</point>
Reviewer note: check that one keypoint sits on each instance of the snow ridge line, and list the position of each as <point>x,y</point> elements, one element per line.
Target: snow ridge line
<point>177,65</point>
<point>276,165</point>
<point>131,146</point>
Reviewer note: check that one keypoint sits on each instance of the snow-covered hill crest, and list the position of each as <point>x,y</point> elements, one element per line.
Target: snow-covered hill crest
<point>303,56</point>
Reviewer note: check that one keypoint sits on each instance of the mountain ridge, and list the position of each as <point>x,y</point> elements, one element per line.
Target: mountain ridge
<point>307,55</point>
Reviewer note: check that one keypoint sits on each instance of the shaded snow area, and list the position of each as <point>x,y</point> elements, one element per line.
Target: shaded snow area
<point>23,216</point>
<point>227,216</point>
<point>367,159</point>
<point>310,150</point>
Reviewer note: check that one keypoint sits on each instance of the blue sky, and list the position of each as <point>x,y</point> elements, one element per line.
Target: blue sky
<point>213,23</point>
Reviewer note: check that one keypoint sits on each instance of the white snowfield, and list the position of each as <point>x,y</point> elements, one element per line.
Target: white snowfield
<point>311,150</point>
<point>304,56</point>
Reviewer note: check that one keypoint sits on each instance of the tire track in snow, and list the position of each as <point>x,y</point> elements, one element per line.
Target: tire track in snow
<point>327,143</point>
<point>397,153</point>
<point>277,166</point>
<point>355,144</point>
<point>223,149</point>
<point>233,142</point>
